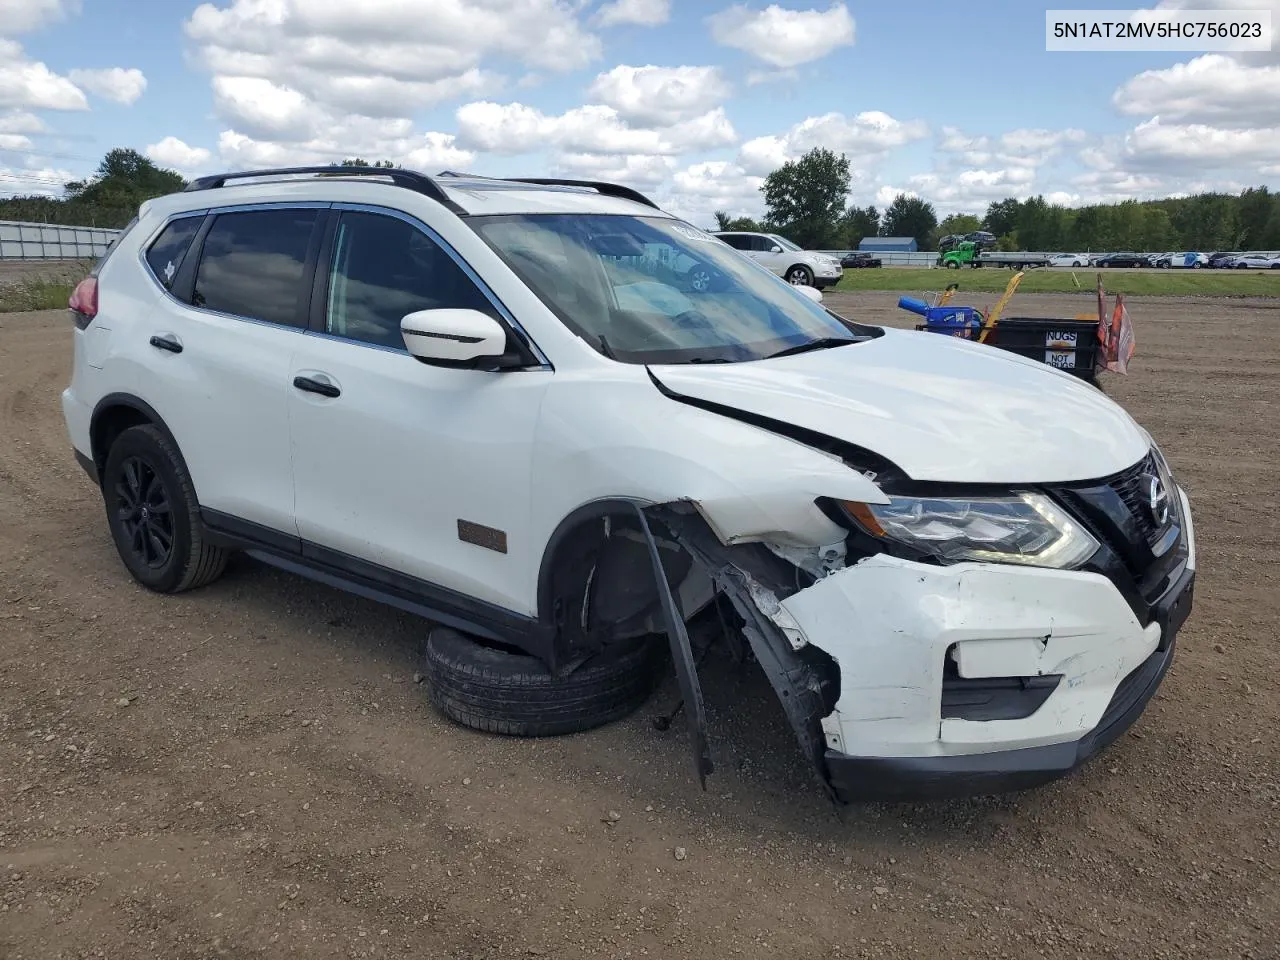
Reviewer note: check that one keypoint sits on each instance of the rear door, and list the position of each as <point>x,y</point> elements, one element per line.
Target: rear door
<point>220,346</point>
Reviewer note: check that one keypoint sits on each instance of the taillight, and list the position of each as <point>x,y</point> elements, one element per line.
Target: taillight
<point>84,301</point>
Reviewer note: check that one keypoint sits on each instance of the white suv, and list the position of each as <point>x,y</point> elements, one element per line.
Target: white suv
<point>571,430</point>
<point>797,266</point>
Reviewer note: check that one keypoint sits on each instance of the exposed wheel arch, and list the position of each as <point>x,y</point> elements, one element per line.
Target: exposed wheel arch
<point>575,554</point>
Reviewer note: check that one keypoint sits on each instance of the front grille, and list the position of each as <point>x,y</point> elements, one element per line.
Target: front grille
<point>1132,487</point>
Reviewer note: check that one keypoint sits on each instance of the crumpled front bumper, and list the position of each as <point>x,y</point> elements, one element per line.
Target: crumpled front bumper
<point>892,625</point>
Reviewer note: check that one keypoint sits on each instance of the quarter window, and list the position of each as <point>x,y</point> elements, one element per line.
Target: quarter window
<point>384,268</point>
<point>170,248</point>
<point>254,263</point>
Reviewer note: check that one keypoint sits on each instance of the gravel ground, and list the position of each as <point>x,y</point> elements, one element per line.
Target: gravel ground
<point>250,770</point>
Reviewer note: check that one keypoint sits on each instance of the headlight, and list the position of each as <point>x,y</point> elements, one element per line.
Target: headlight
<point>1026,528</point>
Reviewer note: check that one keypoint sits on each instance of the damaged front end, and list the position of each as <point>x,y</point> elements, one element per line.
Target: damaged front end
<point>754,580</point>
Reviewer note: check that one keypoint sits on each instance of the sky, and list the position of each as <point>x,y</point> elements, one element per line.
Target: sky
<point>691,101</point>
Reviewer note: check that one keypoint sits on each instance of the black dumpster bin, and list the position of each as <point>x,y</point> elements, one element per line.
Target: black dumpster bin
<point>1070,345</point>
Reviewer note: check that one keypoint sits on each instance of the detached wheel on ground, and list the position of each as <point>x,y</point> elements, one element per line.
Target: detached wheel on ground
<point>497,690</point>
<point>153,514</point>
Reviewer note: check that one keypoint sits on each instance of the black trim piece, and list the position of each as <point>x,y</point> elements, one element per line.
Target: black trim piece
<point>336,569</point>
<point>491,538</point>
<point>129,401</point>
<point>682,655</point>
<point>407,179</point>
<point>225,530</point>
<point>183,287</point>
<point>995,698</point>
<point>913,779</point>
<point>322,268</point>
<point>89,467</point>
<point>455,337</point>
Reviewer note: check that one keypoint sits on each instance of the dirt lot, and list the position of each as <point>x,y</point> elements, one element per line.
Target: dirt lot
<point>250,771</point>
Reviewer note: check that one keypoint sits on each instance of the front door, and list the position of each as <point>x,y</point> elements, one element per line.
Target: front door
<point>401,467</point>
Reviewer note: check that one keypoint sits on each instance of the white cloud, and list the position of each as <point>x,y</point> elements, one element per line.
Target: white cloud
<point>172,152</point>
<point>660,95</point>
<point>34,181</point>
<point>700,189</point>
<point>115,83</point>
<point>29,84</point>
<point>19,121</point>
<point>424,151</point>
<point>642,13</point>
<point>19,16</point>
<point>1212,89</point>
<point>14,141</point>
<point>387,57</point>
<point>864,138</point>
<point>780,37</point>
<point>634,170</point>
<point>1177,146</point>
<point>967,191</point>
<point>514,128</point>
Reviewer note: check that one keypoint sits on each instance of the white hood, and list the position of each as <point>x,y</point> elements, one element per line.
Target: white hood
<point>939,407</point>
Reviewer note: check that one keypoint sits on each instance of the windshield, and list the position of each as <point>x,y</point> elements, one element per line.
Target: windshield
<point>785,243</point>
<point>655,290</point>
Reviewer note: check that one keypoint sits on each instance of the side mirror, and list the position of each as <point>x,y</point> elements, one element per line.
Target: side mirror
<point>775,249</point>
<point>813,293</point>
<point>450,336</point>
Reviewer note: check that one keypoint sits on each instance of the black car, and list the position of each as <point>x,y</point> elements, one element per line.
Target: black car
<point>852,261</point>
<point>982,237</point>
<point>1123,260</point>
<point>1221,260</point>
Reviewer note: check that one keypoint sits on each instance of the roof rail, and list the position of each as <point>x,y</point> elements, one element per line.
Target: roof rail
<point>607,189</point>
<point>409,179</point>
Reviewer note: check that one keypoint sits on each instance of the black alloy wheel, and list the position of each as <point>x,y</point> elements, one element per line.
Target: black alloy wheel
<point>145,513</point>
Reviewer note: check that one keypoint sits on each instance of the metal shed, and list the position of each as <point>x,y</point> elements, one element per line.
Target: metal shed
<point>889,244</point>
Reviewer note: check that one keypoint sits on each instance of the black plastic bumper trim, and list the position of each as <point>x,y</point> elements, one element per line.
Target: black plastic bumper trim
<point>914,779</point>
<point>89,467</point>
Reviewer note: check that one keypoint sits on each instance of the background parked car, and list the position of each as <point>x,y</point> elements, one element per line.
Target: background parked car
<point>1188,260</point>
<point>1222,259</point>
<point>794,264</point>
<point>1122,260</point>
<point>853,261</point>
<point>1256,261</point>
<point>1069,260</point>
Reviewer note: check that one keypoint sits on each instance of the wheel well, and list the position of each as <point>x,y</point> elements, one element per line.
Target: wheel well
<point>595,582</point>
<point>110,423</point>
<point>803,266</point>
<point>114,415</point>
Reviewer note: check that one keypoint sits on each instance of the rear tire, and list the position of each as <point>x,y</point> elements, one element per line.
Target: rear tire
<point>500,691</point>
<point>153,514</point>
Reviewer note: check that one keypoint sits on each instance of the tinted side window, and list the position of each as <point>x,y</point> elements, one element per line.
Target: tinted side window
<point>761,244</point>
<point>168,250</point>
<point>738,243</point>
<point>253,265</point>
<point>384,268</point>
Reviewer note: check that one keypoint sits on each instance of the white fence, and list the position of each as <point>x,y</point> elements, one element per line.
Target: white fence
<point>48,241</point>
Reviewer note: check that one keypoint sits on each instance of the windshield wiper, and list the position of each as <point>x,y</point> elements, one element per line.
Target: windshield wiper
<point>822,343</point>
<point>709,360</point>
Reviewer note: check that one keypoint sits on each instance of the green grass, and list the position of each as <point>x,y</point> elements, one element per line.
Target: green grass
<point>1169,283</point>
<point>35,294</point>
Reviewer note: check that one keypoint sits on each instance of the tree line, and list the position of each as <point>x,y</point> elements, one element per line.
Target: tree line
<point>111,197</point>
<point>806,201</point>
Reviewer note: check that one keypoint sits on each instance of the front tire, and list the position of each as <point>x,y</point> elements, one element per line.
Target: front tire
<point>153,514</point>
<point>497,690</point>
<point>800,276</point>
